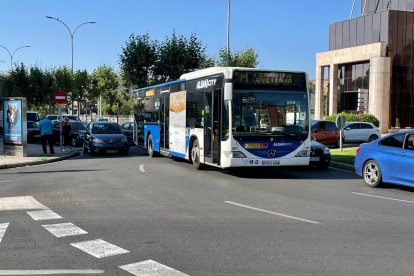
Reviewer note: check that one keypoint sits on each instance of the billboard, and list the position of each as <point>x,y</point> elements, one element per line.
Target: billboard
<point>12,122</point>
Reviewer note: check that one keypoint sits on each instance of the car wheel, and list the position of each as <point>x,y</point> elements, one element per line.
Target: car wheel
<point>372,174</point>
<point>150,146</point>
<point>372,137</point>
<point>323,165</point>
<point>85,149</point>
<point>195,155</point>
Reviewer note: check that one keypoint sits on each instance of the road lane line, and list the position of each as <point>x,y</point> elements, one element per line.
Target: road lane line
<point>3,181</point>
<point>3,228</point>
<point>20,203</point>
<point>52,272</point>
<point>99,248</point>
<point>64,229</point>
<point>150,267</point>
<point>43,215</point>
<point>389,198</point>
<point>141,168</point>
<point>270,212</point>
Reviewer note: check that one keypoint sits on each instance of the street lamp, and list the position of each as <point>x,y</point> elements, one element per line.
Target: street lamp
<point>12,55</point>
<point>228,34</point>
<point>72,34</point>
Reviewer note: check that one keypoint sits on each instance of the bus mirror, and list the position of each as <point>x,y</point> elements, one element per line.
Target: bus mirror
<point>228,90</point>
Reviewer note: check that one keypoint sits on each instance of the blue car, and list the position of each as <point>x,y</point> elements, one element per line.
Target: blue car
<point>389,160</point>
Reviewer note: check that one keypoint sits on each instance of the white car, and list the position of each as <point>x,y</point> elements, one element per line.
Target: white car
<point>360,132</point>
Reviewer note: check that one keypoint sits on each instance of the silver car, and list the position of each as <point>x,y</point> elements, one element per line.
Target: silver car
<point>360,132</point>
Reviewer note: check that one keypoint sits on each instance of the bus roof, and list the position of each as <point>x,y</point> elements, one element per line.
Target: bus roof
<point>227,71</point>
<point>157,85</point>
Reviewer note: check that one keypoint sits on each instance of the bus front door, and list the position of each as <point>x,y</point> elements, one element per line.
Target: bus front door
<point>212,124</point>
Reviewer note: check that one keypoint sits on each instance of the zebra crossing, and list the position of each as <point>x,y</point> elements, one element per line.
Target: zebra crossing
<point>97,248</point>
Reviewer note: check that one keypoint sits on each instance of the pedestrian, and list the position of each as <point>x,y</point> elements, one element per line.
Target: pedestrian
<point>46,134</point>
<point>66,133</point>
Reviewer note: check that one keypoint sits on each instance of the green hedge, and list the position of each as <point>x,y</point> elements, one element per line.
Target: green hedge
<point>353,117</point>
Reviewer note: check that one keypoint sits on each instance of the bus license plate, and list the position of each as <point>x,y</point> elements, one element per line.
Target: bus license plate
<point>270,163</point>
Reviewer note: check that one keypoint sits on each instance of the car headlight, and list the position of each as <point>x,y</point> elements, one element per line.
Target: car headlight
<point>326,150</point>
<point>97,141</point>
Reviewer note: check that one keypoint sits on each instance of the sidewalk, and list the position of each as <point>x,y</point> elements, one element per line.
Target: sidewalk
<point>35,156</point>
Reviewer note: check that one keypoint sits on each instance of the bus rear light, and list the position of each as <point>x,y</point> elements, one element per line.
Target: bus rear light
<point>234,154</point>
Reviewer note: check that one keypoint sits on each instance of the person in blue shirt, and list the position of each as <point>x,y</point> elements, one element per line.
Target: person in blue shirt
<point>46,134</point>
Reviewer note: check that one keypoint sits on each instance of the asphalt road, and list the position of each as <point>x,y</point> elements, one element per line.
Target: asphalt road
<point>285,221</point>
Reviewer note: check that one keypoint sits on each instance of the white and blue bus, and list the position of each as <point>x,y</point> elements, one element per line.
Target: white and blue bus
<point>227,117</point>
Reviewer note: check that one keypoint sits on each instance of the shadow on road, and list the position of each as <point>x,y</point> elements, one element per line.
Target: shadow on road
<point>59,171</point>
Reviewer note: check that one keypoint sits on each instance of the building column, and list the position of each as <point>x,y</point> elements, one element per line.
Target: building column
<point>319,93</point>
<point>333,89</point>
<point>379,101</point>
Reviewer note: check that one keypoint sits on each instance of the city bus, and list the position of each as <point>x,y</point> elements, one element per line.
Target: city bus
<point>227,117</point>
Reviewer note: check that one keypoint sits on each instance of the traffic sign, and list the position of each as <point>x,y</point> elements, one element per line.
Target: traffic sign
<point>340,122</point>
<point>60,97</point>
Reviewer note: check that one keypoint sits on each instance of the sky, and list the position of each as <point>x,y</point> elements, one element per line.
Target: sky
<point>286,34</point>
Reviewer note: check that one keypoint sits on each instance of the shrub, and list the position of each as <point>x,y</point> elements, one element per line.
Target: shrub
<point>353,117</point>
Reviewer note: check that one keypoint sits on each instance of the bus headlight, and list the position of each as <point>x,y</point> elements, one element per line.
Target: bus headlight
<point>234,154</point>
<point>302,153</point>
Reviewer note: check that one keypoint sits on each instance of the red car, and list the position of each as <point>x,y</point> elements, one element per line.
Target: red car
<point>325,132</point>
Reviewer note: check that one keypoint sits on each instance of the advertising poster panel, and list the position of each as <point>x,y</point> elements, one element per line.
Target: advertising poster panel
<point>12,122</point>
<point>177,121</point>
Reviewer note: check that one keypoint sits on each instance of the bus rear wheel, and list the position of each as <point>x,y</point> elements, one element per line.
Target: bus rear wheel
<point>195,155</point>
<point>150,147</point>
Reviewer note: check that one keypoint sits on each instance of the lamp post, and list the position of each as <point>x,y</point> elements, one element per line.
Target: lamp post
<point>228,34</point>
<point>72,33</point>
<point>12,54</point>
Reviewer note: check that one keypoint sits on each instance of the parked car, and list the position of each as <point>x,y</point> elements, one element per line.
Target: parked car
<point>33,132</point>
<point>32,116</point>
<point>104,137</point>
<point>325,132</point>
<point>76,135</point>
<point>128,129</point>
<point>389,159</point>
<point>320,155</point>
<point>360,132</point>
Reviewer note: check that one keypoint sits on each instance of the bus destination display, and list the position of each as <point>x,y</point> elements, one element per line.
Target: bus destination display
<point>267,80</point>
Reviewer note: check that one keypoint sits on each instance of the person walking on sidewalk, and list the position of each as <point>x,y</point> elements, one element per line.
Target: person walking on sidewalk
<point>66,131</point>
<point>46,134</point>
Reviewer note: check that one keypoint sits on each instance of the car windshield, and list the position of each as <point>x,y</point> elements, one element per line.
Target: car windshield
<point>76,126</point>
<point>270,113</point>
<point>106,129</point>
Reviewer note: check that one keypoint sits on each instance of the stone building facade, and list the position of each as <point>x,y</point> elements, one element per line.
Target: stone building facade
<point>370,65</point>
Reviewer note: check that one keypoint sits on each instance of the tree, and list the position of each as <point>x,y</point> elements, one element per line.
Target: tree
<point>137,60</point>
<point>41,86</point>
<point>105,83</point>
<point>178,55</point>
<point>82,86</point>
<point>242,58</point>
<point>64,81</point>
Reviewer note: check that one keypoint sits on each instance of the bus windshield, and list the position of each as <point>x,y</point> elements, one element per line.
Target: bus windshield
<point>270,113</point>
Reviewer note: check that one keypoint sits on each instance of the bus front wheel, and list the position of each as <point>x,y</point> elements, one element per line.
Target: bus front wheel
<point>195,155</point>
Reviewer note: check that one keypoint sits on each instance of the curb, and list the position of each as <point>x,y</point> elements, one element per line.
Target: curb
<point>342,166</point>
<point>38,162</point>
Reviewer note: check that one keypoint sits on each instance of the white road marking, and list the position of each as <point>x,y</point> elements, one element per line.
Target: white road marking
<point>3,228</point>
<point>20,203</point>
<point>99,248</point>
<point>141,168</point>
<point>64,229</point>
<point>51,272</point>
<point>389,198</point>
<point>150,267</point>
<point>3,181</point>
<point>43,215</point>
<point>270,212</point>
